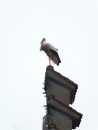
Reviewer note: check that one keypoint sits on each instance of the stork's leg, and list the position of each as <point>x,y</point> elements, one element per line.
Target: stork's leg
<point>49,61</point>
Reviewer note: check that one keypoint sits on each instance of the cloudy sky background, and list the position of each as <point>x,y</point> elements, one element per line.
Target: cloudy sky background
<point>72,27</point>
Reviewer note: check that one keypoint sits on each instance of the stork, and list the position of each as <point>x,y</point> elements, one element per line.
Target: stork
<point>50,51</point>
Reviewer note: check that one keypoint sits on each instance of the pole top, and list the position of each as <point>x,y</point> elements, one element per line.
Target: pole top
<point>50,68</point>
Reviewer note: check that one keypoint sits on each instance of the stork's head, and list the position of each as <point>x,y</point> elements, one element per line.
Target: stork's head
<point>43,40</point>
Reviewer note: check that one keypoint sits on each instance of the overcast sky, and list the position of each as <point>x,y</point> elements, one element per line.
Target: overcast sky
<point>72,27</point>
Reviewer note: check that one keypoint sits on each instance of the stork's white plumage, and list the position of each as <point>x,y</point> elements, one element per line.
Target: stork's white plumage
<point>51,51</point>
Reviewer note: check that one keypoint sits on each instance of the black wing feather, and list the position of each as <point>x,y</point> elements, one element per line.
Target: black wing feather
<point>56,54</point>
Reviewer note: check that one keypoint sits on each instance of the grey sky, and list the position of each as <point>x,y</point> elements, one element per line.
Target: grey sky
<point>72,27</point>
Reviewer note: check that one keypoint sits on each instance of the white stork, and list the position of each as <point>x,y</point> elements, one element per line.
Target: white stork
<point>50,51</point>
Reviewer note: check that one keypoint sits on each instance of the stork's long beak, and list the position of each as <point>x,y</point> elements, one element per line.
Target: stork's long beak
<point>42,40</point>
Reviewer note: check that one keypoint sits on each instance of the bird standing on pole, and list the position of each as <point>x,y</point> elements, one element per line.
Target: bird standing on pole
<point>50,51</point>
